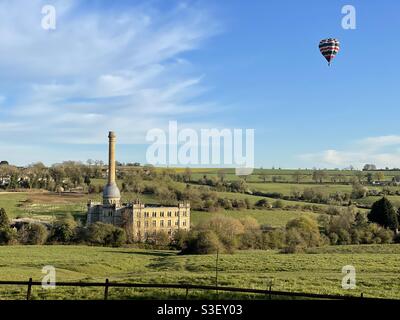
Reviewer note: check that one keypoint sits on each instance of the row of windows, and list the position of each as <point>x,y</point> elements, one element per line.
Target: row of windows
<point>146,214</point>
<point>148,234</point>
<point>162,223</point>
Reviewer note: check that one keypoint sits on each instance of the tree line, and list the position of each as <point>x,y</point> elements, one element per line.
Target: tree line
<point>224,233</point>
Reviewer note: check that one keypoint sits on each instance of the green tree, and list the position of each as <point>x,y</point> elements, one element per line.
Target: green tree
<point>87,180</point>
<point>263,176</point>
<point>161,238</point>
<point>221,175</point>
<point>4,221</point>
<point>202,242</point>
<point>63,229</point>
<point>106,234</point>
<point>297,176</point>
<point>227,230</point>
<point>187,175</point>
<point>383,213</point>
<point>307,228</point>
<point>7,234</point>
<point>318,176</point>
<point>34,233</point>
<point>379,176</point>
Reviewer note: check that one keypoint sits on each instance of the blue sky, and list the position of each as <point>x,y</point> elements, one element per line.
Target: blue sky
<point>131,66</point>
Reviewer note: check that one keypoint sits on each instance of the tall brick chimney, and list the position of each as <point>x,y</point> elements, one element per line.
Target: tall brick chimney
<point>111,194</point>
<point>111,157</point>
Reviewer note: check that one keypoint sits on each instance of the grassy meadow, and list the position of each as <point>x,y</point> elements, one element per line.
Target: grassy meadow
<point>376,266</point>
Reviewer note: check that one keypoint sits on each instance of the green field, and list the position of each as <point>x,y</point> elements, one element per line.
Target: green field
<point>395,200</point>
<point>377,270</point>
<point>318,271</point>
<point>286,189</point>
<point>283,175</point>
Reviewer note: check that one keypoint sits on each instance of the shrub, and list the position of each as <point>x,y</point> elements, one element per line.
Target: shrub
<point>63,229</point>
<point>278,204</point>
<point>33,233</point>
<point>333,210</point>
<point>252,235</point>
<point>203,242</point>
<point>251,239</point>
<point>263,203</point>
<point>274,239</point>
<point>106,234</point>
<point>227,230</point>
<point>307,228</point>
<point>333,238</point>
<point>344,236</point>
<point>377,234</point>
<point>396,238</point>
<point>294,242</point>
<point>358,191</point>
<point>179,239</point>
<point>91,189</point>
<point>249,223</point>
<point>7,234</point>
<point>161,238</point>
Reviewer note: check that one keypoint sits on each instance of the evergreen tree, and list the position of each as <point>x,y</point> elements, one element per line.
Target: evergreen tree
<point>7,235</point>
<point>4,221</point>
<point>383,213</point>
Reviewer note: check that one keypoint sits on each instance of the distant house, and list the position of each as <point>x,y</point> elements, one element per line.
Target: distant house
<point>396,180</point>
<point>5,181</point>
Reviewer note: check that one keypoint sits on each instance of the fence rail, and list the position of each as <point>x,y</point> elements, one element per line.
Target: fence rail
<point>106,285</point>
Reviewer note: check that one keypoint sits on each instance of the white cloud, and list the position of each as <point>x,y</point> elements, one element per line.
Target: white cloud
<point>99,70</point>
<point>383,151</point>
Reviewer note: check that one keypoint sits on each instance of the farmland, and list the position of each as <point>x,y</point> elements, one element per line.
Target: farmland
<point>317,272</point>
<point>47,206</point>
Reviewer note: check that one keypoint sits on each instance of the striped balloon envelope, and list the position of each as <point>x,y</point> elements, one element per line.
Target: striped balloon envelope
<point>329,48</point>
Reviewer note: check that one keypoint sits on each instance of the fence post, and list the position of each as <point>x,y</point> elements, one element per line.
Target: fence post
<point>362,295</point>
<point>187,292</point>
<point>216,273</point>
<point>106,290</point>
<point>270,289</point>
<point>28,294</point>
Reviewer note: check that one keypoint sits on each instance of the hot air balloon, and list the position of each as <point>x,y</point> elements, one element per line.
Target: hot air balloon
<point>329,48</point>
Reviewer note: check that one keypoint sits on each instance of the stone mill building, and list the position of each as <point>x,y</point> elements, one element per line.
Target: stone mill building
<point>140,221</point>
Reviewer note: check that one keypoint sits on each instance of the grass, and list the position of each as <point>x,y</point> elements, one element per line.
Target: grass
<point>320,272</point>
<point>395,200</point>
<point>286,189</point>
<point>283,175</point>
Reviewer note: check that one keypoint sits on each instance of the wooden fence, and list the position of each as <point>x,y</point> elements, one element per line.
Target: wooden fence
<point>186,287</point>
